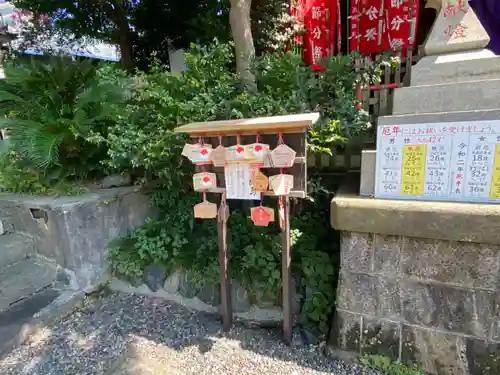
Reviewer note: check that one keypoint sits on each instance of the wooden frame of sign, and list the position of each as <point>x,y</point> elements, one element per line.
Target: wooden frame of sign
<point>293,131</point>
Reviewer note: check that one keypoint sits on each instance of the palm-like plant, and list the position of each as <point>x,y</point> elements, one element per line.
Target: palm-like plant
<point>53,109</point>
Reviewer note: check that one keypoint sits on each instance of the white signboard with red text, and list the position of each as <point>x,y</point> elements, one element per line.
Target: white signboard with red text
<point>457,161</point>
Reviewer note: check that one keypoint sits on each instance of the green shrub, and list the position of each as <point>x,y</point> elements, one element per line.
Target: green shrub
<point>53,112</point>
<point>210,90</point>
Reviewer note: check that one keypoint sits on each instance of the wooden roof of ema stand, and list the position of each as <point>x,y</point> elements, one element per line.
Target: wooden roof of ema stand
<point>263,125</point>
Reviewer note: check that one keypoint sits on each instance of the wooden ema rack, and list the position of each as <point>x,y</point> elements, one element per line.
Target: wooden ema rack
<point>292,129</point>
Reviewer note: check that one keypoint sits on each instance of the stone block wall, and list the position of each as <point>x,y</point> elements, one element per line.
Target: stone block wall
<point>433,302</point>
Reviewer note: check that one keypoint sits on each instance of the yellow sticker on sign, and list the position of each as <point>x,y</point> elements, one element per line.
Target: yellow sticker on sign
<point>495,175</point>
<point>413,173</point>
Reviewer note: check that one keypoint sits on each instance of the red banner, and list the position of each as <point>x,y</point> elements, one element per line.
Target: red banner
<point>319,19</point>
<point>381,25</point>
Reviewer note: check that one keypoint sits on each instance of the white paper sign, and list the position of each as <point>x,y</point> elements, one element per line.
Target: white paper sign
<point>238,182</point>
<point>457,161</point>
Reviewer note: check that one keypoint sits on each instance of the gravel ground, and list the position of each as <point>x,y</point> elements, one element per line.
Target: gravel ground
<point>122,334</point>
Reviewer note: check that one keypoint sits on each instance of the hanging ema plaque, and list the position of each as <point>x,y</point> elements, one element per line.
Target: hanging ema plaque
<point>197,153</point>
<point>260,182</point>
<point>204,181</point>
<point>205,210</point>
<point>262,216</point>
<point>440,161</point>
<point>281,183</point>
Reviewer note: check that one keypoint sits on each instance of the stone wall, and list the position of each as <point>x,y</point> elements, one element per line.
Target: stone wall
<point>420,282</point>
<point>75,231</point>
<point>180,288</point>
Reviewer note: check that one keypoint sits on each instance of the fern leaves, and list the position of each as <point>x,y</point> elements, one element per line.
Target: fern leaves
<point>51,109</point>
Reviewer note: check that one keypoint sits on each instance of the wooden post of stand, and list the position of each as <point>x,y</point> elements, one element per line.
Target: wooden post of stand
<point>286,273</point>
<point>225,283</point>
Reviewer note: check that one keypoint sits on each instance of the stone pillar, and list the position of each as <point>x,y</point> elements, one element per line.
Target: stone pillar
<point>457,75</point>
<point>177,61</point>
<point>419,283</point>
<point>456,29</point>
<point>455,46</point>
<point>458,80</point>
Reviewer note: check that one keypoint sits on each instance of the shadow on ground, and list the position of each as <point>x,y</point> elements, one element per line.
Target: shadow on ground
<point>121,334</point>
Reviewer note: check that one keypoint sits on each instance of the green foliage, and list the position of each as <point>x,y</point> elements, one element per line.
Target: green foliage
<point>16,177</point>
<point>210,90</point>
<point>273,28</point>
<point>54,111</point>
<point>387,366</point>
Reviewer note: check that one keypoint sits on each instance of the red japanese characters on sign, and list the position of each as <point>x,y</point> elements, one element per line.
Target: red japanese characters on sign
<point>379,25</point>
<point>452,8</point>
<point>319,18</point>
<point>455,30</point>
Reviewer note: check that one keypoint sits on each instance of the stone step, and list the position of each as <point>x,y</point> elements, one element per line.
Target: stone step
<point>457,67</point>
<point>23,279</point>
<point>17,321</point>
<point>447,97</point>
<point>14,248</point>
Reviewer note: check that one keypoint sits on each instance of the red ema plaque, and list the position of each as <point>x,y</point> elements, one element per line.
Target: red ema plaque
<point>260,217</point>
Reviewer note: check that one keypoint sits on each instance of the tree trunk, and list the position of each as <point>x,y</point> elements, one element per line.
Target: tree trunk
<point>239,18</point>
<point>124,36</point>
<point>126,54</point>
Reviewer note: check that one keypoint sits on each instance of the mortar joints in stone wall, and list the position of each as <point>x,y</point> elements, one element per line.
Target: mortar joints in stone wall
<point>374,241</point>
<point>443,283</point>
<point>361,329</point>
<point>406,323</point>
<point>400,348</point>
<point>404,243</point>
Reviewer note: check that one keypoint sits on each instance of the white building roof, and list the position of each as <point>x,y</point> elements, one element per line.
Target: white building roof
<point>89,48</point>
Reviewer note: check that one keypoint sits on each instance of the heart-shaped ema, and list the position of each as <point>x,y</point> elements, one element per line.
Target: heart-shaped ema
<point>239,149</point>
